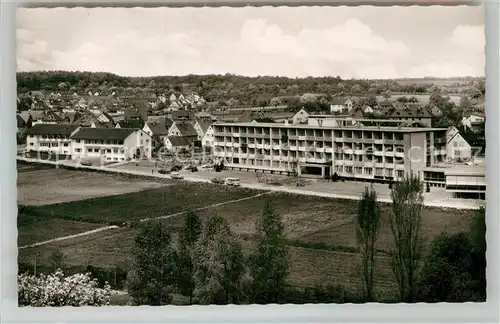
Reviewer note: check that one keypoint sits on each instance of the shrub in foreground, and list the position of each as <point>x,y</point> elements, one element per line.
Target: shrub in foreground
<point>58,290</point>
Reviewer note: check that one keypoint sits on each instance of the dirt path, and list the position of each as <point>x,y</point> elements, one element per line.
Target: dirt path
<point>69,236</point>
<point>142,220</point>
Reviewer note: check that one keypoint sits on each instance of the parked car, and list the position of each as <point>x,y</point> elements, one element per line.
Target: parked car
<point>163,171</point>
<point>176,176</point>
<point>175,168</point>
<point>86,163</point>
<point>207,167</point>
<point>235,182</point>
<point>217,180</point>
<point>192,168</point>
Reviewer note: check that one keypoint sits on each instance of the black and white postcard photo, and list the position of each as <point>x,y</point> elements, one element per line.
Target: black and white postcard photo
<point>250,155</point>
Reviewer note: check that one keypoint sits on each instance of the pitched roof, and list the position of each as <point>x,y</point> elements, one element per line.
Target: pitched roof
<point>131,123</point>
<point>204,124</point>
<point>158,128</point>
<point>338,101</point>
<point>51,129</point>
<point>89,133</point>
<point>183,114</point>
<point>20,121</point>
<point>186,129</point>
<point>179,140</point>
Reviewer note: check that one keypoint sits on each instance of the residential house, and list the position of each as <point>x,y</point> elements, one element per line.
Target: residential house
<point>457,147</point>
<point>90,120</point>
<point>110,144</point>
<point>386,105</point>
<point>50,138</point>
<point>136,112</point>
<point>339,105</point>
<point>183,115</point>
<point>174,106</point>
<point>208,138</point>
<point>158,130</point>
<point>183,128</point>
<point>44,117</point>
<point>131,123</point>
<point>414,115</point>
<point>435,111</point>
<point>473,120</point>
<point>177,143</point>
<point>201,126</point>
<point>367,110</point>
<point>301,116</point>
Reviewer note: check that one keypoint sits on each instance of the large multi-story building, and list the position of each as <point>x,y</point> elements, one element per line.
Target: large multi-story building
<point>108,144</point>
<point>344,147</point>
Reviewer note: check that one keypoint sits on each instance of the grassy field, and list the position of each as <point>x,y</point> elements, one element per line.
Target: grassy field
<point>41,185</point>
<point>39,231</point>
<point>321,230</point>
<point>142,204</point>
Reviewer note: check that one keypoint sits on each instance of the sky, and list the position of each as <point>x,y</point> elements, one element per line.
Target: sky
<point>350,42</point>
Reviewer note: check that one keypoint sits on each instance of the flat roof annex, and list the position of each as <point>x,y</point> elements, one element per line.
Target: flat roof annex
<point>367,128</point>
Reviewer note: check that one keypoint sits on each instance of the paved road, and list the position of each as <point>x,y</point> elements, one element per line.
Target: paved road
<point>428,198</point>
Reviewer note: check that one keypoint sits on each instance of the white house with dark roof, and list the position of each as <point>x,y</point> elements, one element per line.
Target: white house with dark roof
<point>301,116</point>
<point>182,128</point>
<point>457,147</point>
<point>340,105</point>
<point>110,144</point>
<point>201,126</point>
<point>177,143</point>
<point>208,138</point>
<point>53,138</point>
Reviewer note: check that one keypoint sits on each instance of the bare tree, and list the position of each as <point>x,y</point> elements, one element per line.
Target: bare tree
<point>405,221</point>
<point>368,223</point>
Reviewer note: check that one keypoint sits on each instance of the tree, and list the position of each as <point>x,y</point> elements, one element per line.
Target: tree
<point>269,266</point>
<point>57,290</point>
<point>57,260</point>
<point>368,223</point>
<point>478,239</point>
<point>218,265</point>
<point>387,94</point>
<point>275,102</point>
<point>405,222</point>
<point>151,280</point>
<point>455,269</point>
<point>188,237</point>
<point>445,276</point>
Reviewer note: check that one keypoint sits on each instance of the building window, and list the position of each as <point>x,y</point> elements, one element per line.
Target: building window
<point>368,171</point>
<point>96,150</point>
<point>65,144</point>
<point>358,170</point>
<point>32,144</point>
<point>108,150</point>
<point>115,150</point>
<point>400,174</point>
<point>78,150</point>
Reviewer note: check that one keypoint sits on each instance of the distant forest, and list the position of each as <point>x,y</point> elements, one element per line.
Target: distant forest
<point>239,89</point>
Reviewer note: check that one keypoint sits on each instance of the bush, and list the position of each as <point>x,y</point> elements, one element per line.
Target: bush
<point>56,290</point>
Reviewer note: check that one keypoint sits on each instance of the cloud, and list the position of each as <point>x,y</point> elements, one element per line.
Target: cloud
<point>469,38</point>
<point>146,43</point>
<point>351,41</point>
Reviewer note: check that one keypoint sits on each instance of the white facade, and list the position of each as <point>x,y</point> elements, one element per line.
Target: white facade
<point>345,106</point>
<point>208,139</point>
<point>300,116</point>
<point>112,150</point>
<point>56,144</point>
<point>457,148</point>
